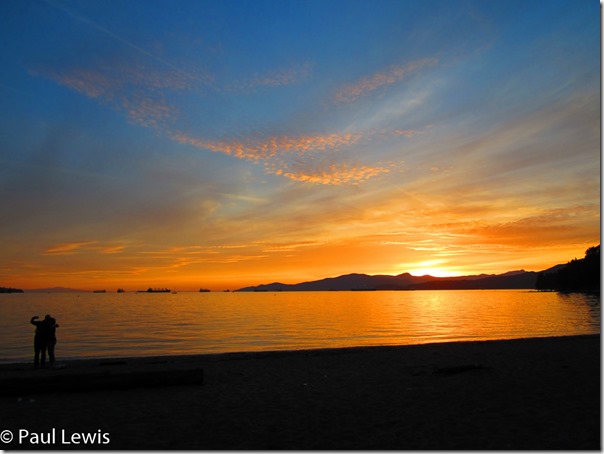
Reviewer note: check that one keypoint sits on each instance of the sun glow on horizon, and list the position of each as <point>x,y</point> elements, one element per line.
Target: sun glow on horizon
<point>436,272</point>
<point>435,267</point>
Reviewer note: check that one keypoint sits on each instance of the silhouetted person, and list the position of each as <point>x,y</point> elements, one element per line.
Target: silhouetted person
<point>45,340</point>
<point>40,340</point>
<point>51,339</point>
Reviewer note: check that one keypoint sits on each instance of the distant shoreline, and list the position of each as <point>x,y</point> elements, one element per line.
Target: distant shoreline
<point>85,292</point>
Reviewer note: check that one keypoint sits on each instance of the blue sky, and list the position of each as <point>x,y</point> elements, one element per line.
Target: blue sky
<point>226,143</point>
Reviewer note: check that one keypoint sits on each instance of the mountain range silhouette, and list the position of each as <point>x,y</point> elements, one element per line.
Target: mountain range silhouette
<point>514,279</point>
<point>576,275</point>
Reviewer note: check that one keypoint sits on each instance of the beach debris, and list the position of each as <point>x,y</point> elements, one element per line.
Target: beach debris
<point>93,379</point>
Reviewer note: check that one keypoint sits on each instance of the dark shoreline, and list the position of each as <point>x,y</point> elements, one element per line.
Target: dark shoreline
<point>538,393</point>
<point>75,362</point>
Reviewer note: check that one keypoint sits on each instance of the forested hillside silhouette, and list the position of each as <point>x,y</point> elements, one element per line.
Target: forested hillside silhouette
<point>578,275</point>
<point>10,290</point>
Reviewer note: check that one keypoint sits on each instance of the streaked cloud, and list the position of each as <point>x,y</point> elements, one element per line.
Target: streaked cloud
<point>255,150</point>
<point>550,227</point>
<point>288,247</point>
<point>389,76</point>
<point>113,249</point>
<point>67,248</point>
<point>134,88</point>
<point>280,77</point>
<point>141,93</point>
<point>300,158</point>
<point>119,38</point>
<point>84,246</point>
<point>332,174</point>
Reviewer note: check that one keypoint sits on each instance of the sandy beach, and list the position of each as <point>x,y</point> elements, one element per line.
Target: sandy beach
<point>518,394</point>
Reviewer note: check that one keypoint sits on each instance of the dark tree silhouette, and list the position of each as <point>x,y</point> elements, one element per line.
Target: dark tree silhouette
<point>578,275</point>
<point>10,290</point>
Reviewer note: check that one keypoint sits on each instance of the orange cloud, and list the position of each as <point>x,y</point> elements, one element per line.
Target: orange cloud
<point>79,246</point>
<point>551,227</point>
<point>334,174</point>
<point>392,75</point>
<point>288,247</point>
<point>112,249</point>
<point>66,248</point>
<point>255,150</point>
<point>281,154</point>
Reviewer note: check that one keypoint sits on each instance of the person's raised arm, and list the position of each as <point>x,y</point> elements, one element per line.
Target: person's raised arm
<point>32,321</point>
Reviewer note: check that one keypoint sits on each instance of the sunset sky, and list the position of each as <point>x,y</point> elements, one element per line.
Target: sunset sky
<point>219,144</point>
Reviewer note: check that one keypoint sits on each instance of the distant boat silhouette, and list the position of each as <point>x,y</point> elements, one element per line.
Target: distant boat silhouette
<point>99,291</point>
<point>155,290</point>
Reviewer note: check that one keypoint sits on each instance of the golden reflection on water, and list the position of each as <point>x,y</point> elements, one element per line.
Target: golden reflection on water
<point>187,323</point>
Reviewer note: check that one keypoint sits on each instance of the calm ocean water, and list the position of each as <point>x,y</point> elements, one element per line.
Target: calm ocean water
<point>129,324</point>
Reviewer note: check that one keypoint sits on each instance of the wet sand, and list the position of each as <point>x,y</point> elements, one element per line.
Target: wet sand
<point>518,394</point>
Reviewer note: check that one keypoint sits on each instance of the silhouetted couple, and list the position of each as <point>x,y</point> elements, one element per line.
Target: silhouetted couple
<point>45,340</point>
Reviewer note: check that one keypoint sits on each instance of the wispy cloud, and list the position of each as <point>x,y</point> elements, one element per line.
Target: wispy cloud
<point>332,174</point>
<point>550,227</point>
<point>77,247</point>
<point>289,75</point>
<point>81,18</point>
<point>67,248</point>
<point>145,93</point>
<point>130,87</point>
<point>113,249</point>
<point>254,150</point>
<point>300,158</point>
<point>391,75</point>
<point>288,247</point>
